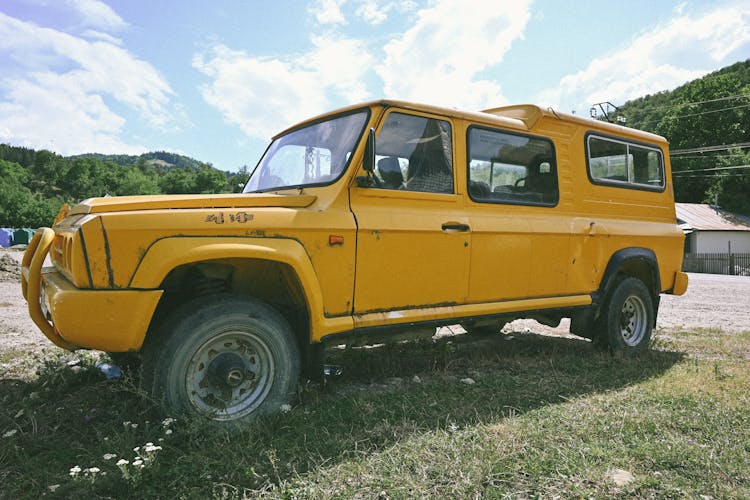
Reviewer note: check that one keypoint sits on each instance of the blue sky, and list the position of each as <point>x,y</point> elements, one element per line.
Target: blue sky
<point>214,80</point>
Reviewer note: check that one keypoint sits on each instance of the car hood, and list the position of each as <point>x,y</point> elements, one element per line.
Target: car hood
<point>186,201</point>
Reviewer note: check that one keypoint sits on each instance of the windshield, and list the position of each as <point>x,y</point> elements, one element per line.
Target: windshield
<point>310,156</point>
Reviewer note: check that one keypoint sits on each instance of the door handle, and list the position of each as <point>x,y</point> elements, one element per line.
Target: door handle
<point>455,226</point>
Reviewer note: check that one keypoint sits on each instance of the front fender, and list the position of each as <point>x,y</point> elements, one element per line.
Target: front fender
<point>168,253</point>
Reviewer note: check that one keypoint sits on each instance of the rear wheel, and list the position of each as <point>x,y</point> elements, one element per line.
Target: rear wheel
<point>226,357</point>
<point>627,317</point>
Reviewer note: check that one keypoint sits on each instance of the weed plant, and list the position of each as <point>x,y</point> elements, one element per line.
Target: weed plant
<point>514,415</point>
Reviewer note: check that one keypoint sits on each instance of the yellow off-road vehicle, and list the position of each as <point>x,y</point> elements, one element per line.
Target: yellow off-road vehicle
<point>360,224</point>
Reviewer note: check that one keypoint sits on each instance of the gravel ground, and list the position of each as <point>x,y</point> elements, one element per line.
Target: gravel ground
<point>712,301</point>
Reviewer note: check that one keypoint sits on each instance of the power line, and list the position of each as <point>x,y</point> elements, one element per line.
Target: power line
<point>704,149</point>
<point>658,120</point>
<point>704,157</point>
<point>711,169</point>
<point>669,106</point>
<point>710,111</point>
<point>698,176</point>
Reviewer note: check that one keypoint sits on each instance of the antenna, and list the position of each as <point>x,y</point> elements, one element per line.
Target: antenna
<point>606,108</point>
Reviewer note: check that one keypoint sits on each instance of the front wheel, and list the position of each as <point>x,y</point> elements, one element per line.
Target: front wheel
<point>226,357</point>
<point>627,317</point>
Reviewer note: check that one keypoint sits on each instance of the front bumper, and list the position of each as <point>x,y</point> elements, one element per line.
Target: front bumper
<point>71,318</point>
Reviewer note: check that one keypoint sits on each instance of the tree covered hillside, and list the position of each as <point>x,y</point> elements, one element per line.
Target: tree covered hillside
<point>707,122</point>
<point>33,184</point>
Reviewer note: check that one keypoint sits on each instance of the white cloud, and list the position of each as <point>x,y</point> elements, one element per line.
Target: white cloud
<point>104,37</point>
<point>442,57</point>
<point>53,112</point>
<point>662,57</point>
<point>375,13</point>
<point>98,14</point>
<point>264,95</point>
<point>328,11</point>
<point>55,92</point>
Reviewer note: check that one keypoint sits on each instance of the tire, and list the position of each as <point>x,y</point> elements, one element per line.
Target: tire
<point>226,357</point>
<point>627,318</point>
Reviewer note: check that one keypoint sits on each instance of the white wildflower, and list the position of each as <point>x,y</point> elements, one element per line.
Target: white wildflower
<point>122,462</point>
<point>109,456</point>
<point>285,408</point>
<point>53,487</point>
<point>137,449</point>
<point>138,463</point>
<point>168,432</point>
<point>151,448</point>
<point>134,426</point>
<point>168,421</point>
<point>92,470</point>
<point>19,414</point>
<point>74,471</point>
<point>10,433</point>
<point>126,423</point>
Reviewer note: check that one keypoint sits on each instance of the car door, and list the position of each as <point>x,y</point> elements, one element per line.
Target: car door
<point>519,241</point>
<point>413,238</point>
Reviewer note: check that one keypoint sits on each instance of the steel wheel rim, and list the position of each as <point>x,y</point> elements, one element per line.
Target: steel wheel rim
<point>229,393</point>
<point>633,318</point>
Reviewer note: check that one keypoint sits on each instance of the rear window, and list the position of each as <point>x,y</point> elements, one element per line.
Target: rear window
<point>624,164</point>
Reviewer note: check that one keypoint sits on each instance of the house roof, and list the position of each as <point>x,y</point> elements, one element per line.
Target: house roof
<point>704,217</point>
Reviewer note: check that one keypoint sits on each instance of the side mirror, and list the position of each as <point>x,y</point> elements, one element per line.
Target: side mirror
<point>368,162</point>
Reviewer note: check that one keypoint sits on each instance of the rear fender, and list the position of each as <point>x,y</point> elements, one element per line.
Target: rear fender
<point>621,261</point>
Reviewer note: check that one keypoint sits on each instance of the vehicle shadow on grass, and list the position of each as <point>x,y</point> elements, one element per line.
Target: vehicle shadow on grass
<point>385,395</point>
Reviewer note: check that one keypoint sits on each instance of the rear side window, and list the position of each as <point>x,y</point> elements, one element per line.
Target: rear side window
<point>620,163</point>
<point>511,168</point>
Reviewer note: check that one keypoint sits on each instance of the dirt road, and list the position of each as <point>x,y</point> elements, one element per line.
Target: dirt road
<point>712,301</point>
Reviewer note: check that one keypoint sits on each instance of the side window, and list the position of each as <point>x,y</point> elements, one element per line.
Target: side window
<point>414,153</point>
<point>511,168</point>
<point>624,164</point>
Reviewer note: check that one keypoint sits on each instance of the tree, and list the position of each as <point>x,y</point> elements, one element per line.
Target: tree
<point>237,181</point>
<point>178,181</point>
<point>19,206</point>
<point>135,182</point>
<point>210,180</point>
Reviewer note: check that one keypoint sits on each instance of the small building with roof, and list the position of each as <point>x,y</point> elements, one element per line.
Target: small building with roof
<point>710,229</point>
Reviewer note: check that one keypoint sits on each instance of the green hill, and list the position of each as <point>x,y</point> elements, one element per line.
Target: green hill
<point>159,159</point>
<point>703,119</point>
<point>33,184</point>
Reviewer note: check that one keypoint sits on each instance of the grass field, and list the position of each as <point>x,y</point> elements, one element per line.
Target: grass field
<point>545,416</point>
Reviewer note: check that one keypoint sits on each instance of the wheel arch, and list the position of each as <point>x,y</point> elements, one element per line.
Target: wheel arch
<point>636,262</point>
<point>277,271</point>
